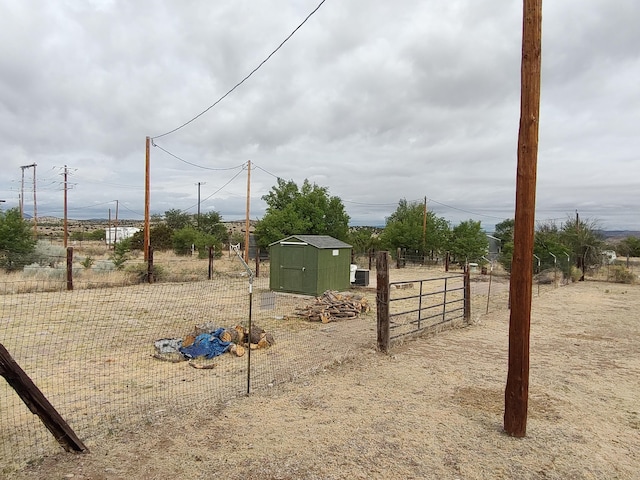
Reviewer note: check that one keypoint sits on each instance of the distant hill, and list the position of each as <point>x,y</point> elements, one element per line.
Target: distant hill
<point>619,234</point>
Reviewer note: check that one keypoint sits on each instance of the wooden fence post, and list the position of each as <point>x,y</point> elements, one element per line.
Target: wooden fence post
<point>38,403</point>
<point>382,299</point>
<point>210,271</point>
<point>150,278</point>
<point>69,268</point>
<point>467,295</point>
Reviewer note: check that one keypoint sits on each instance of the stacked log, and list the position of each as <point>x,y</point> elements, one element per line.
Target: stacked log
<point>332,306</point>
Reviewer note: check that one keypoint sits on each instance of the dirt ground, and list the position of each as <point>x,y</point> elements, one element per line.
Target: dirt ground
<point>431,409</point>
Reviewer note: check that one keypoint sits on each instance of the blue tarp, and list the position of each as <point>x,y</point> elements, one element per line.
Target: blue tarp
<point>206,345</point>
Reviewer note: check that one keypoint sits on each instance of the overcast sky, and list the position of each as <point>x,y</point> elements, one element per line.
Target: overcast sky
<point>375,100</point>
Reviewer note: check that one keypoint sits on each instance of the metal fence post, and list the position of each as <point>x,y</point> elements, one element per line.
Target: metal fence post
<point>382,300</point>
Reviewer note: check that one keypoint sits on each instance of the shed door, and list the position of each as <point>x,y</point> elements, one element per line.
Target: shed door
<point>292,275</point>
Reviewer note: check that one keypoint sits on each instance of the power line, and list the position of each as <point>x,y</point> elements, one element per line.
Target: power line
<point>245,78</point>
<point>193,164</point>
<point>207,198</point>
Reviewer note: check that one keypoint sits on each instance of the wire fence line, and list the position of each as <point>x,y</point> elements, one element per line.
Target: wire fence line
<point>93,351</point>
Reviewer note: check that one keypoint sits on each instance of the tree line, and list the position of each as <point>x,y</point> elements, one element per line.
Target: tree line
<point>310,209</point>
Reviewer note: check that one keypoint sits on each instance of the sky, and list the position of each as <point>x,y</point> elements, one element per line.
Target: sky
<point>377,101</point>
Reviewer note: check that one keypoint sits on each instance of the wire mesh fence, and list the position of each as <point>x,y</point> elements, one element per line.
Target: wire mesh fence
<point>94,352</point>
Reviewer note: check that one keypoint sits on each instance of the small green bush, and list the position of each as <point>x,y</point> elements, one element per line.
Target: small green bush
<point>139,273</point>
<point>619,274</point>
<point>576,274</point>
<point>104,266</point>
<point>87,262</point>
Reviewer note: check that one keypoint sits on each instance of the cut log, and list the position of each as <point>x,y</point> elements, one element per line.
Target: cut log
<point>237,350</point>
<point>332,305</point>
<point>226,336</point>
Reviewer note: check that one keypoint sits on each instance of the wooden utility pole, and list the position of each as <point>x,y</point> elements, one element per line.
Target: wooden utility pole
<point>35,204</point>
<point>66,224</point>
<point>147,233</point>
<point>246,224</point>
<point>115,227</point>
<point>424,229</point>
<point>517,388</point>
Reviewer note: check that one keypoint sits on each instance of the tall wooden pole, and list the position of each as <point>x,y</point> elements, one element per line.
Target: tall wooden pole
<point>517,388</point>
<point>66,224</point>
<point>115,227</point>
<point>147,233</point>
<point>246,225</point>
<point>35,205</point>
<point>424,229</point>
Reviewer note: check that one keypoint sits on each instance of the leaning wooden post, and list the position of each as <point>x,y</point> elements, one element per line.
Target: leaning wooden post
<point>517,388</point>
<point>150,278</point>
<point>69,268</point>
<point>382,299</point>
<point>35,400</point>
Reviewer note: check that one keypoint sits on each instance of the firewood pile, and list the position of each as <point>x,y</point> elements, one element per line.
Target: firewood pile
<point>210,341</point>
<point>332,306</point>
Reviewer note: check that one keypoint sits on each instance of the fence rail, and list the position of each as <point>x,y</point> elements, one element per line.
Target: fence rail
<point>446,300</point>
<point>440,301</point>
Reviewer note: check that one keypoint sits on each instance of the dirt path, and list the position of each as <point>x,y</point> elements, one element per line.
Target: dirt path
<point>432,409</point>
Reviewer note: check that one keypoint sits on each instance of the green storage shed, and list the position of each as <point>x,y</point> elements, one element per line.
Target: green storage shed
<point>309,264</point>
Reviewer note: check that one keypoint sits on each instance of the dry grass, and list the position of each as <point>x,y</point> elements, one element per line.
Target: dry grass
<point>432,409</point>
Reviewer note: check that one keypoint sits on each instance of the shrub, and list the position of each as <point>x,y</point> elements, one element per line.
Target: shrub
<point>575,274</point>
<point>139,272</point>
<point>620,274</point>
<point>104,266</point>
<point>87,262</point>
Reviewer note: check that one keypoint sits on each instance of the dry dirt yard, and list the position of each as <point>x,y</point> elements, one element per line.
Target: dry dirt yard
<point>431,409</point>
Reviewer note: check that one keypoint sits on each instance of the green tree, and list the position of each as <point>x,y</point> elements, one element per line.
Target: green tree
<point>629,247</point>
<point>186,237</point>
<point>504,231</point>
<point>177,219</point>
<point>584,241</point>
<point>468,242</point>
<point>363,239</point>
<point>210,223</point>
<point>160,238</point>
<point>99,234</point>
<point>404,229</point>
<point>307,210</point>
<point>16,241</point>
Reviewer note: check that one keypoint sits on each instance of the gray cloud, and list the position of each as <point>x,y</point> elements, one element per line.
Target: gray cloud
<point>377,101</point>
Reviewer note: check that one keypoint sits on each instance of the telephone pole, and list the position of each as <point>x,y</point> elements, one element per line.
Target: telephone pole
<point>517,388</point>
<point>147,233</point>
<point>198,219</point>
<point>66,225</point>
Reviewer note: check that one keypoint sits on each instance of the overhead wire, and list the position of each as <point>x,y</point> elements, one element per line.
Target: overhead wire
<point>245,78</point>
<point>217,191</point>
<point>194,164</point>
